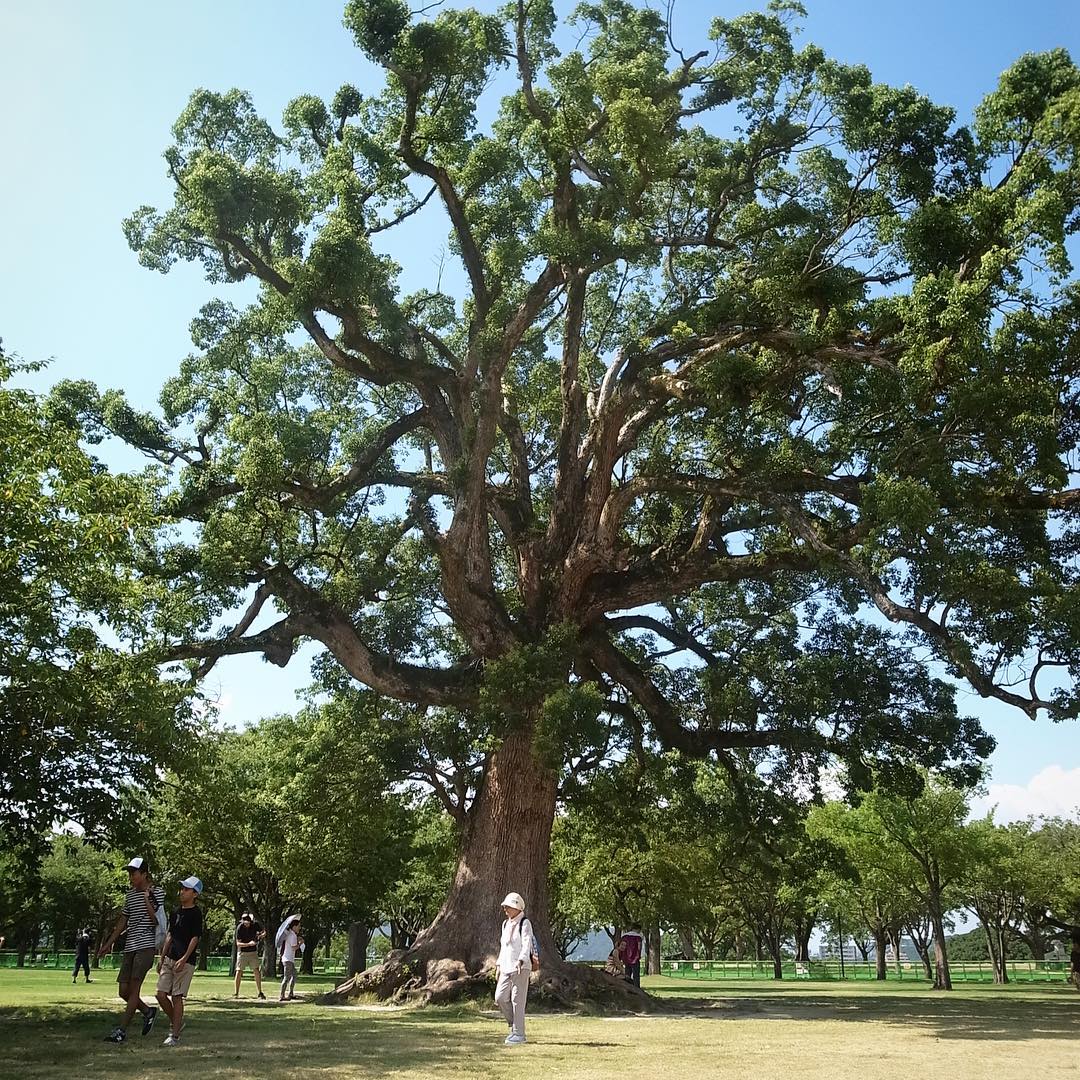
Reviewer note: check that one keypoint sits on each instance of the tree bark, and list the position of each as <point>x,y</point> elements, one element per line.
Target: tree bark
<point>505,848</point>
<point>803,932</point>
<point>686,941</point>
<point>921,941</point>
<point>358,941</point>
<point>879,953</point>
<point>942,976</point>
<point>654,950</point>
<point>896,937</point>
<point>271,919</point>
<point>774,944</point>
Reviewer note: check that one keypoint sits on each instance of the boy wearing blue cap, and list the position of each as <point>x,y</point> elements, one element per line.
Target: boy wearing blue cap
<point>178,956</point>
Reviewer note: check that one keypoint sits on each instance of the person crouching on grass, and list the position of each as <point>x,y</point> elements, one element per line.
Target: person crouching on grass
<point>178,956</point>
<point>514,967</point>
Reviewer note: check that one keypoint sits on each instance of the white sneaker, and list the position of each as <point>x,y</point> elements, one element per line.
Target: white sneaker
<point>172,1040</point>
<point>514,1040</point>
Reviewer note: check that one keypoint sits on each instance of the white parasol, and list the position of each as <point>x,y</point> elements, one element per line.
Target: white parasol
<point>279,937</point>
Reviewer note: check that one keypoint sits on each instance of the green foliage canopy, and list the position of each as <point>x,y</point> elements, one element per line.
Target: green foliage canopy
<point>747,345</point>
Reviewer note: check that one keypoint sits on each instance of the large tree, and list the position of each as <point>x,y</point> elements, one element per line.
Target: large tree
<point>746,363</point>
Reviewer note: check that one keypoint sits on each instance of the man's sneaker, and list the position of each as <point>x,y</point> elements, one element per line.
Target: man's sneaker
<point>514,1040</point>
<point>118,1034</point>
<point>262,996</point>
<point>172,1040</point>
<point>148,1019</point>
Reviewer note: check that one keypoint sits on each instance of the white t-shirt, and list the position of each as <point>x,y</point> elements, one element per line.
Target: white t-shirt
<point>288,952</point>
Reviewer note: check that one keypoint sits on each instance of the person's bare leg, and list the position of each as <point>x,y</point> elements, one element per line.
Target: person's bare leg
<point>166,1004</point>
<point>258,978</point>
<point>134,1003</point>
<point>239,977</point>
<point>177,1015</point>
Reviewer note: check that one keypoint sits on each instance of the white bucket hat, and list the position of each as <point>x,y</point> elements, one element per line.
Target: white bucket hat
<point>514,900</point>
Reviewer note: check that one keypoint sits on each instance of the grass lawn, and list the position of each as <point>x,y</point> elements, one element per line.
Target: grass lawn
<point>764,1031</point>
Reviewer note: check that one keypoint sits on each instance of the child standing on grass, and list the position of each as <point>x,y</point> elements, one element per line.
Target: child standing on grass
<point>178,955</point>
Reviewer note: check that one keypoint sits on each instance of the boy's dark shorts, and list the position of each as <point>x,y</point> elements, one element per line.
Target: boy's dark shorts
<point>135,965</point>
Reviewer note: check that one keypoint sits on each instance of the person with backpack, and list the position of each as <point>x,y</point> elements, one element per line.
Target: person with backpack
<point>630,950</point>
<point>517,958</point>
<point>142,922</point>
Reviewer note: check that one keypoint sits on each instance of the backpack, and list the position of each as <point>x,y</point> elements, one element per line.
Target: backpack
<point>162,927</point>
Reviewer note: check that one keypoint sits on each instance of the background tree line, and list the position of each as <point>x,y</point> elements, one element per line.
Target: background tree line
<point>710,871</point>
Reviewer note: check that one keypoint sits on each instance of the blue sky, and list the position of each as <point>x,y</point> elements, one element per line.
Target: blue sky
<point>91,90</point>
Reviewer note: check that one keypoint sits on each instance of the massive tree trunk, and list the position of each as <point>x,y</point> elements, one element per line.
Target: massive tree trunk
<point>506,848</point>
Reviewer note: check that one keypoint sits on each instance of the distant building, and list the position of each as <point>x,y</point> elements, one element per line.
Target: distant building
<point>907,951</point>
<point>828,951</point>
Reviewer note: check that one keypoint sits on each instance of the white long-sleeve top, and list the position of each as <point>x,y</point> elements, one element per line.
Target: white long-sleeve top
<point>290,948</point>
<point>516,944</point>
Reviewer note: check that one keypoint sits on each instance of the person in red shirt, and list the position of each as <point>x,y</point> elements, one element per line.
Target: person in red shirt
<point>631,946</point>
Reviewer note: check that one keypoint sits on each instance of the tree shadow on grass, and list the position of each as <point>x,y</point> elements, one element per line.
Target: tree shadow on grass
<point>990,1017</point>
<point>226,1042</point>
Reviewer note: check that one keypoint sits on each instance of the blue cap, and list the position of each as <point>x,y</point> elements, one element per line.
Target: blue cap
<point>191,883</point>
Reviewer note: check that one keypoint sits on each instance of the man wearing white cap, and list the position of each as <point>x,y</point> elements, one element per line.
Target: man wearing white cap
<point>139,922</point>
<point>514,967</point>
<point>178,956</point>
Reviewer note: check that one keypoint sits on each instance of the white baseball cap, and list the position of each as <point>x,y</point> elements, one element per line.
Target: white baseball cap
<point>514,900</point>
<point>136,864</point>
<point>192,883</point>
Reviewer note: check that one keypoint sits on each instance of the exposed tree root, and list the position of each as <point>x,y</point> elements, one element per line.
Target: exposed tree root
<point>406,976</point>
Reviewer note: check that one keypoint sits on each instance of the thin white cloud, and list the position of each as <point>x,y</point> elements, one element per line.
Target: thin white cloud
<point>1052,791</point>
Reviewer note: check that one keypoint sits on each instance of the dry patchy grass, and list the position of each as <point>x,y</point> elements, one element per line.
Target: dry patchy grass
<point>49,1028</point>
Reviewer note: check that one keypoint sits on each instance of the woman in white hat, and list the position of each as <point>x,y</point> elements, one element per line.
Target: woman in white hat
<point>514,967</point>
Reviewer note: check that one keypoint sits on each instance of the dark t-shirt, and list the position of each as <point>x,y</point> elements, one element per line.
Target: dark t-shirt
<point>82,946</point>
<point>185,924</point>
<point>247,934</point>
